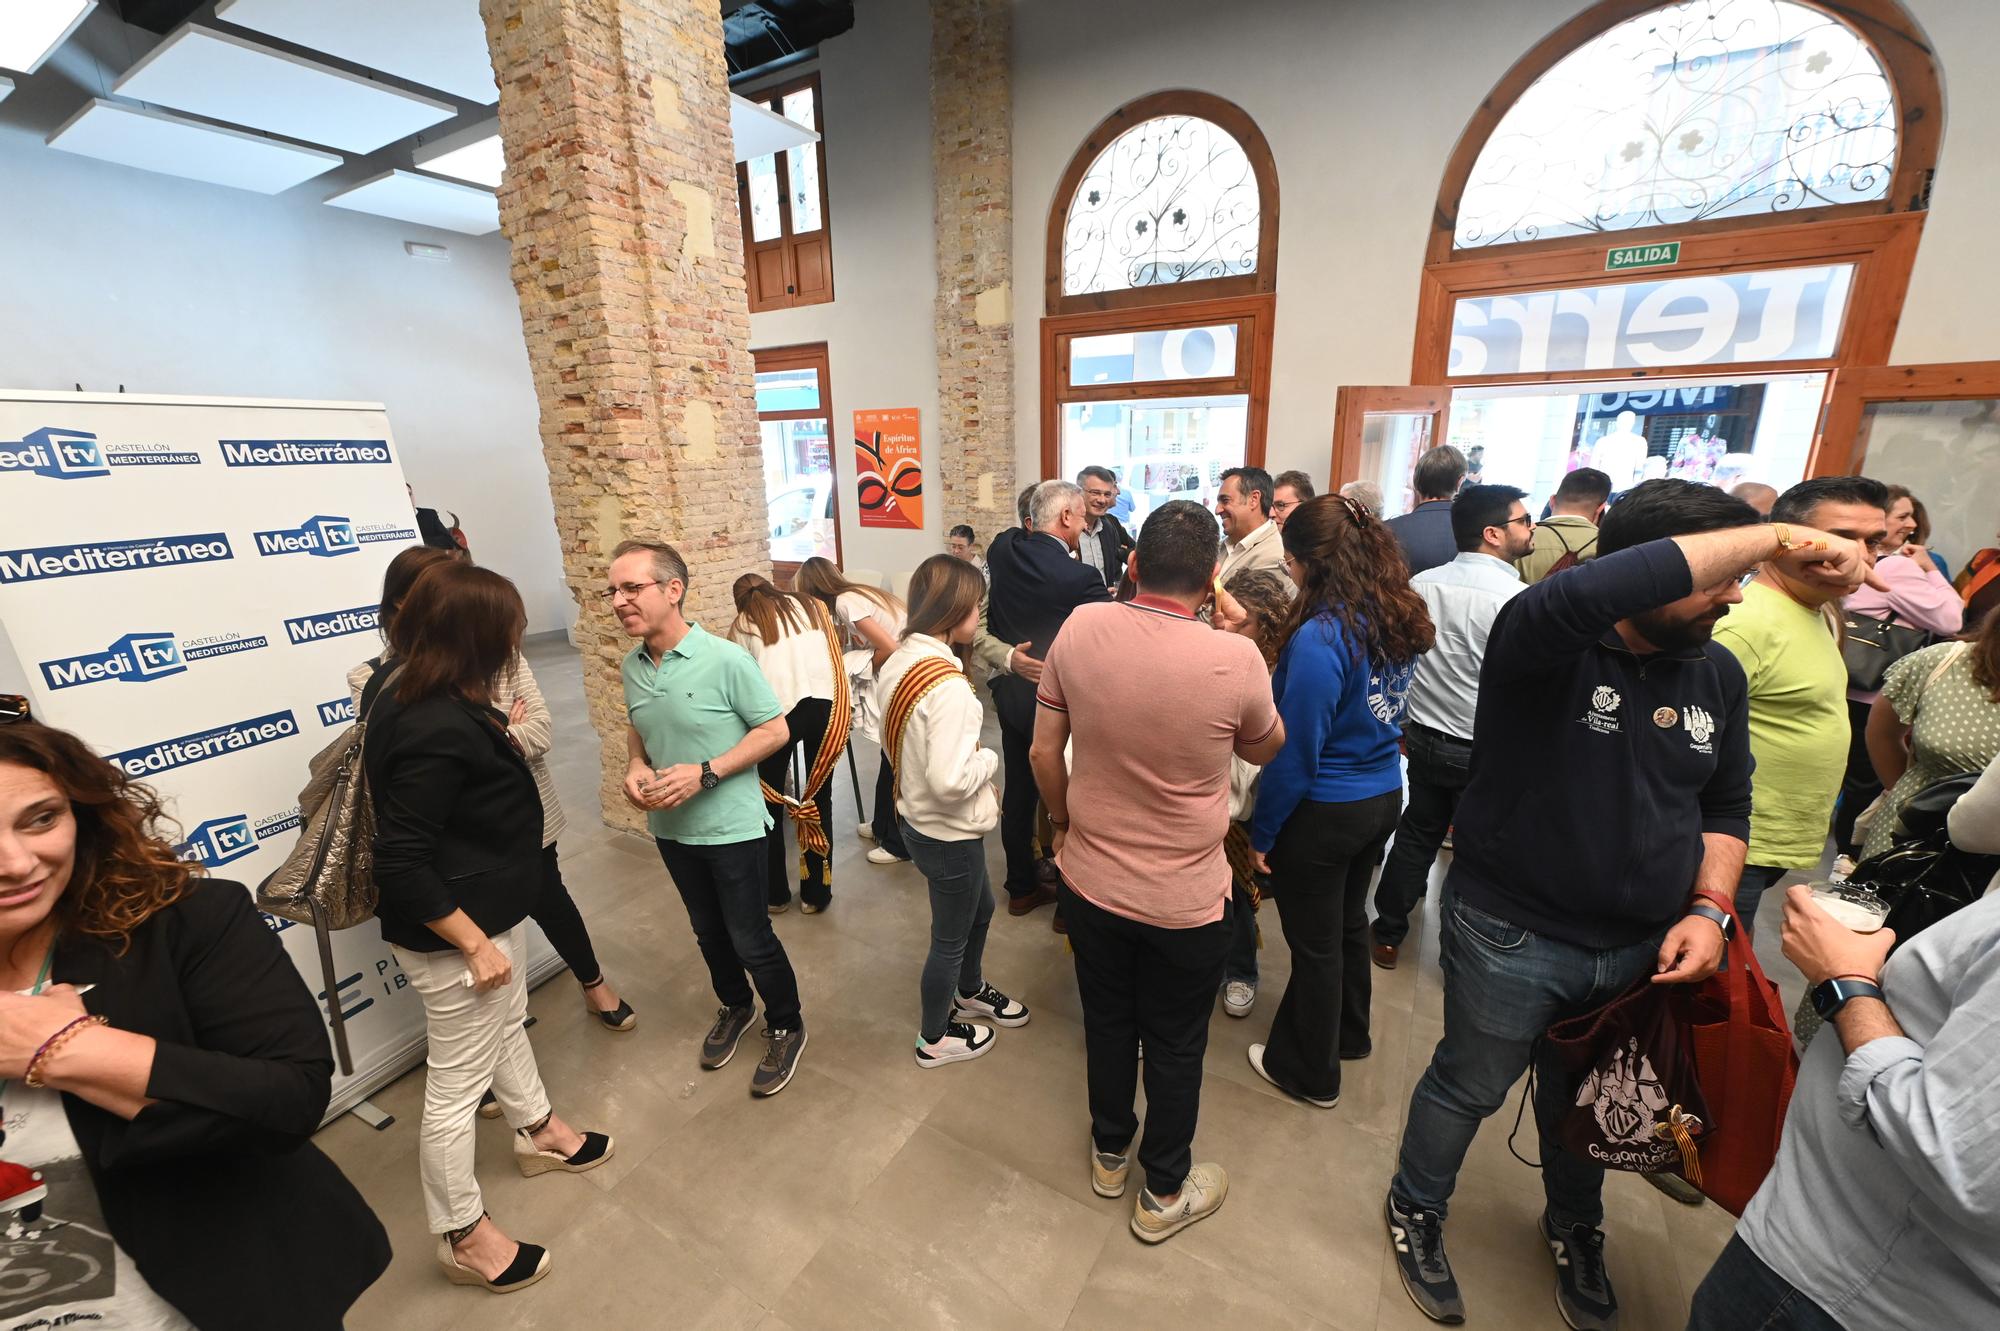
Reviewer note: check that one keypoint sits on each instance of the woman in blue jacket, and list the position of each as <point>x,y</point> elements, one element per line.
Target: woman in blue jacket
<point>1329,800</point>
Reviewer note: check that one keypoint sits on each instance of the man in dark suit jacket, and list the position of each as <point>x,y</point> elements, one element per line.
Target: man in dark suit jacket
<point>1037,581</point>
<point>1424,533</point>
<point>1105,544</point>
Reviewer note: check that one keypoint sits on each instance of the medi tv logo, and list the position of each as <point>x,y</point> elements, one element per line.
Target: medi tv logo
<point>327,535</point>
<point>332,624</point>
<point>223,840</point>
<point>304,452</point>
<point>140,658</point>
<point>43,562</point>
<point>182,750</point>
<point>70,455</point>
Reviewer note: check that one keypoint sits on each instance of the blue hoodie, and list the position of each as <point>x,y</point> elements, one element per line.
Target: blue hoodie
<point>1343,724</point>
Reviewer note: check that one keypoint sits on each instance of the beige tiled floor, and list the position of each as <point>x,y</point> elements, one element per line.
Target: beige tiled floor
<point>873,1195</point>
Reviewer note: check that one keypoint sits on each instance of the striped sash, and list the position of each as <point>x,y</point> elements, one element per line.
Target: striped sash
<point>911,689</point>
<point>804,810</point>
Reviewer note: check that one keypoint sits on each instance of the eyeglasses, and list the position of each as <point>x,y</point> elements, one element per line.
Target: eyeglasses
<point>14,707</point>
<point>630,590</point>
<point>1527,518</point>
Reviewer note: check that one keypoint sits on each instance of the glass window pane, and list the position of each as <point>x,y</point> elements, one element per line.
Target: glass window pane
<point>1173,199</point>
<point>788,390</point>
<point>1207,352</point>
<point>1948,454</point>
<point>764,223</point>
<point>1722,319</point>
<point>1159,448</point>
<point>798,488</point>
<point>802,165</point>
<point>1724,109</point>
<point>1390,443</point>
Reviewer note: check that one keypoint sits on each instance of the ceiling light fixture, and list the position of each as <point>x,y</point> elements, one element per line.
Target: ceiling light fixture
<point>471,154</point>
<point>31,30</point>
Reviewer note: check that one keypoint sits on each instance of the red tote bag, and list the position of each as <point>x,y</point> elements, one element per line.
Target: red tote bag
<point>1744,1059</point>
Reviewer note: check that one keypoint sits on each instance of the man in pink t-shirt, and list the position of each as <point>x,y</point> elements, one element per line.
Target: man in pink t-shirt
<point>1145,885</point>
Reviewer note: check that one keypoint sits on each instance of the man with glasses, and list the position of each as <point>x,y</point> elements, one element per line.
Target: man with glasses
<point>1105,544</point>
<point>1292,488</point>
<point>1492,529</point>
<point>1600,839</point>
<point>701,717</point>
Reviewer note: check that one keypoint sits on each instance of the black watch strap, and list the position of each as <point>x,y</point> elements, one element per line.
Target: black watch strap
<point>1830,996</point>
<point>1723,919</point>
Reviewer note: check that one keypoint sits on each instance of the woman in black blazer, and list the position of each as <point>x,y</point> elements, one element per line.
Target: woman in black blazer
<point>458,862</point>
<point>164,1070</point>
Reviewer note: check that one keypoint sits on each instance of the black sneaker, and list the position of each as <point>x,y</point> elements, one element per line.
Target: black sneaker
<point>781,1060</point>
<point>1418,1237</point>
<point>719,1045</point>
<point>994,1006</point>
<point>1583,1290</point>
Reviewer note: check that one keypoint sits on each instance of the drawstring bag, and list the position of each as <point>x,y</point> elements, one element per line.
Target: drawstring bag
<point>1635,1099</point>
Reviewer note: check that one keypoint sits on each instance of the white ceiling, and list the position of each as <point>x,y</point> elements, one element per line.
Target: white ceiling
<point>438,43</point>
<point>31,29</point>
<point>410,197</point>
<point>223,77</point>
<point>161,141</point>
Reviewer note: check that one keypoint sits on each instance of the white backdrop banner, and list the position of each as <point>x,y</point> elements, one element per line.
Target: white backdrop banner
<point>185,583</point>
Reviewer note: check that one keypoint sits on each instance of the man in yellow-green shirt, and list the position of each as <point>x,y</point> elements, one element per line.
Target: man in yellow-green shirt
<point>1783,635</point>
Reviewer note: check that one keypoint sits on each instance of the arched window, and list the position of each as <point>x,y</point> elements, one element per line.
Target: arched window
<point>1161,266</point>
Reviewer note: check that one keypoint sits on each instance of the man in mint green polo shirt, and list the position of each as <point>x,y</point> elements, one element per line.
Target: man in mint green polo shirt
<point>700,717</point>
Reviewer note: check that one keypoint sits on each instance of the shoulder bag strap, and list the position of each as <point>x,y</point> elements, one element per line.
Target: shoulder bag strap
<point>911,689</point>
<point>804,810</point>
<point>1957,650</point>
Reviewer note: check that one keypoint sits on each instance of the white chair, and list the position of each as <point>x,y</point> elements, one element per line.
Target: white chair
<point>867,577</point>
<point>899,586</point>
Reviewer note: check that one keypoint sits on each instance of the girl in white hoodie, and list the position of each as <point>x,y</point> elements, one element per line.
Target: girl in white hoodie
<point>945,804</point>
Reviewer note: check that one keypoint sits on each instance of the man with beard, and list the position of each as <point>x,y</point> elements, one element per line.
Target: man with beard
<point>1600,840</point>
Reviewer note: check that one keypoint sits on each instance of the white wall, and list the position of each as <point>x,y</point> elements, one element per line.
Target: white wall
<point>878,328</point>
<point>118,276</point>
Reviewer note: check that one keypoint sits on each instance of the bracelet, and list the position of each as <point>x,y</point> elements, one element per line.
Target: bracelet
<point>1875,980</point>
<point>33,1077</point>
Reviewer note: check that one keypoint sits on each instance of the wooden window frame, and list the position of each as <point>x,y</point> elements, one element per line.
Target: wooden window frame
<point>801,356</point>
<point>1248,300</point>
<point>1853,390</point>
<point>786,243</point>
<point>1879,237</point>
<point>1353,404</point>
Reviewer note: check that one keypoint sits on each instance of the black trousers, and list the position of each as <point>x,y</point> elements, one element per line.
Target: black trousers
<point>808,719</point>
<point>1014,700</point>
<point>887,834</point>
<point>1440,768</point>
<point>555,910</point>
<point>1141,982</point>
<point>1860,786</point>
<point>1320,867</point>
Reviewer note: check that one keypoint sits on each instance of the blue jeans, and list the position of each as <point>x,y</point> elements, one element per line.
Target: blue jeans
<point>723,890</point>
<point>1741,1293</point>
<point>961,908</point>
<point>1503,987</point>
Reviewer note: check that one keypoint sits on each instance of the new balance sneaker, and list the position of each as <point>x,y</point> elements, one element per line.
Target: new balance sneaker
<point>719,1045</point>
<point>781,1060</point>
<point>1201,1196</point>
<point>1107,1172</point>
<point>1316,1101</point>
<point>880,855</point>
<point>1583,1290</point>
<point>1238,997</point>
<point>961,1041</point>
<point>994,1006</point>
<point>1418,1239</point>
<point>1843,868</point>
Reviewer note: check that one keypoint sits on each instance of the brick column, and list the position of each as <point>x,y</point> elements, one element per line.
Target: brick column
<point>972,165</point>
<point>620,203</point>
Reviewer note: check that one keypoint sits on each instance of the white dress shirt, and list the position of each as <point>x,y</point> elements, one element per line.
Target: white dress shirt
<point>944,779</point>
<point>1463,597</point>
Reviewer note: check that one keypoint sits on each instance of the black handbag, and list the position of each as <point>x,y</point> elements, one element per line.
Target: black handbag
<point>1872,643</point>
<point>1922,876</point>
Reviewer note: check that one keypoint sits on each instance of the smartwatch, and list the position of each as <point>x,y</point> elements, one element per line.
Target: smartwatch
<point>1830,996</point>
<point>709,780</point>
<point>1722,918</point>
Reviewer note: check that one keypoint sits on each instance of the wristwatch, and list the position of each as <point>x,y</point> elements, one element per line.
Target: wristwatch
<point>1722,918</point>
<point>709,780</point>
<point>1830,996</point>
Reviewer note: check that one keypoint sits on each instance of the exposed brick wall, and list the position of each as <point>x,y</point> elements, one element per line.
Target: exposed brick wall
<point>972,165</point>
<point>620,203</point>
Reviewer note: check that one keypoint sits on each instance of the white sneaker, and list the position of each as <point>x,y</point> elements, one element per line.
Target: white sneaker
<point>866,831</point>
<point>1317,1102</point>
<point>881,856</point>
<point>1843,868</point>
<point>1202,1192</point>
<point>1238,997</point>
<point>962,1040</point>
<point>992,1005</point>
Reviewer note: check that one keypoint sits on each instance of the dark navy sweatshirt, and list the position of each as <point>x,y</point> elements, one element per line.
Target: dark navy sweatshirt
<point>1595,770</point>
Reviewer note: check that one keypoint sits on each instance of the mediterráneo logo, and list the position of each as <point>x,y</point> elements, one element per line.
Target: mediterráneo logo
<point>336,713</point>
<point>139,658</point>
<point>332,624</point>
<point>320,535</point>
<point>167,754</point>
<point>303,452</point>
<point>232,836</point>
<point>65,561</point>
<point>69,455</point>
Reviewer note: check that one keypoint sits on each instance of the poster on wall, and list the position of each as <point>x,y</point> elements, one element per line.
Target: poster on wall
<point>184,583</point>
<point>889,468</point>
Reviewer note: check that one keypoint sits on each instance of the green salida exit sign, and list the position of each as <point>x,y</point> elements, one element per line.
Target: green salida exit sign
<point>1618,259</point>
